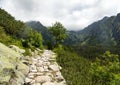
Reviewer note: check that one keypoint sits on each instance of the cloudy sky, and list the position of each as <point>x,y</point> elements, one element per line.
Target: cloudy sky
<point>73,14</point>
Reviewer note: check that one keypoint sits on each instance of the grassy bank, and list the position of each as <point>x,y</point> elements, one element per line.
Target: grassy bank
<point>75,69</point>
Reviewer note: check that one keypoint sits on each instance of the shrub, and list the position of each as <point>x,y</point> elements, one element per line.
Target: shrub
<point>106,71</point>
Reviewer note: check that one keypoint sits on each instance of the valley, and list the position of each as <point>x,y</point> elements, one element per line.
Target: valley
<point>34,54</point>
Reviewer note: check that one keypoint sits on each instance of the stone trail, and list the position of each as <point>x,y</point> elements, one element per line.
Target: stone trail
<point>44,70</point>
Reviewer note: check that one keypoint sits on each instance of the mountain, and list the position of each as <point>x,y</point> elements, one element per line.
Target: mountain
<point>72,38</point>
<point>105,32</point>
<point>36,25</point>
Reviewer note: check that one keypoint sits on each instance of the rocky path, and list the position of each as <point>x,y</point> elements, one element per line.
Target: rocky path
<point>44,70</point>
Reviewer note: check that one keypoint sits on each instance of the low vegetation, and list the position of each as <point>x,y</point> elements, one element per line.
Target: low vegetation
<point>75,69</point>
<point>106,71</point>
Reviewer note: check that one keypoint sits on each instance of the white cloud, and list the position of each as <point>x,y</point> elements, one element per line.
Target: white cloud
<point>73,14</point>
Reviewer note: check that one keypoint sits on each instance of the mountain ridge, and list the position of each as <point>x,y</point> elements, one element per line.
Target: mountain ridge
<point>104,32</point>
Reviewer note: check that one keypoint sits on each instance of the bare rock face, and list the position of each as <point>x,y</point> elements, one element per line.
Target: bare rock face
<point>12,70</point>
<point>44,70</point>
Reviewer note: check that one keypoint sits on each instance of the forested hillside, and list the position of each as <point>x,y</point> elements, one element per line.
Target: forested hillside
<point>16,32</point>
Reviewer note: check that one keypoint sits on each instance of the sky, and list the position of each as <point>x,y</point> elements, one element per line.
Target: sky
<point>73,14</point>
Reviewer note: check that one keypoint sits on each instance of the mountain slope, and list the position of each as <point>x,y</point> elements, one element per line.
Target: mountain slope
<point>105,32</point>
<point>36,25</point>
<point>16,32</point>
<point>99,33</point>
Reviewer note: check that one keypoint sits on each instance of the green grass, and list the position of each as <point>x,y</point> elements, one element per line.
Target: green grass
<point>75,69</point>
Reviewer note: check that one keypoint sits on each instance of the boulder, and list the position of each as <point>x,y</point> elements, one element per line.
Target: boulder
<point>12,70</point>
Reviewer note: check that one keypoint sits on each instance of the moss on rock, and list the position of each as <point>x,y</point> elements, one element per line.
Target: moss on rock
<point>12,69</point>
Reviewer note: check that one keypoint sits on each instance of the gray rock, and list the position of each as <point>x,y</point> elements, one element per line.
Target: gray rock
<point>47,63</point>
<point>40,69</point>
<point>42,79</point>
<point>46,68</point>
<point>48,83</point>
<point>34,60</point>
<point>32,82</point>
<point>32,67</point>
<point>31,75</point>
<point>28,80</point>
<point>40,63</point>
<point>12,70</point>
<point>36,84</point>
<point>54,68</point>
